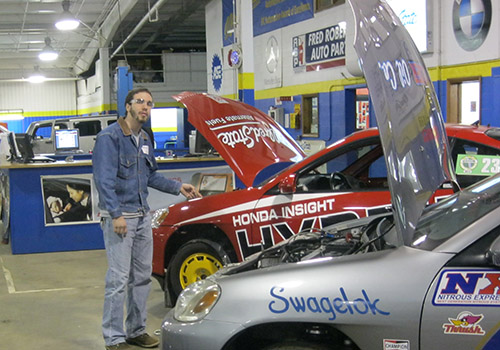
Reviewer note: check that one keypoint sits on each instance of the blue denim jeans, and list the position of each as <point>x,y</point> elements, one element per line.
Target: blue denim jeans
<point>128,278</point>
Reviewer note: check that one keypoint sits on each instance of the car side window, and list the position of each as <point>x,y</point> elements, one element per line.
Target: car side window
<point>357,168</point>
<point>43,132</point>
<point>461,146</point>
<point>89,128</point>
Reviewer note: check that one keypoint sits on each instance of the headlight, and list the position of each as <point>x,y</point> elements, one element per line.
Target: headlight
<point>158,217</point>
<point>196,301</point>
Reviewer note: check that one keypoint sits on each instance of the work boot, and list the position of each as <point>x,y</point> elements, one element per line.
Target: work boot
<point>144,341</point>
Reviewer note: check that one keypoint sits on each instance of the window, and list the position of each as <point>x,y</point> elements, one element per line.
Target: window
<point>146,68</point>
<point>310,115</point>
<point>326,4</point>
<point>361,167</point>
<point>88,128</point>
<point>43,131</point>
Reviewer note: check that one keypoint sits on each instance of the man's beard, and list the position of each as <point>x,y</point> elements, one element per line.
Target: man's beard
<point>135,115</point>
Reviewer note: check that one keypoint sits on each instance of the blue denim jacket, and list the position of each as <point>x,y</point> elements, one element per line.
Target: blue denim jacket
<point>123,171</point>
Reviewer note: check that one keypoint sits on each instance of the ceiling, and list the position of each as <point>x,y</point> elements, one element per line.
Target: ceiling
<point>125,27</point>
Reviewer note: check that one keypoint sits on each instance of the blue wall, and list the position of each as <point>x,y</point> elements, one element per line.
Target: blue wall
<point>337,108</point>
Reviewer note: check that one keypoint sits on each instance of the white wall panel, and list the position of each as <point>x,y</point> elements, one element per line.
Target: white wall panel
<point>57,97</point>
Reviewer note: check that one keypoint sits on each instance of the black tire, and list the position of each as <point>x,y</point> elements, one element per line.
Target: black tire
<point>193,261</point>
<point>288,345</point>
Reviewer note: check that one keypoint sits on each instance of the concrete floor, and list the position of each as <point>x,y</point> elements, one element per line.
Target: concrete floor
<point>53,301</point>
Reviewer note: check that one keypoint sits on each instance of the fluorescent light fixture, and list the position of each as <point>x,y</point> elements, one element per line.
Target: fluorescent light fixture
<point>11,116</point>
<point>67,21</point>
<point>48,53</point>
<point>37,77</point>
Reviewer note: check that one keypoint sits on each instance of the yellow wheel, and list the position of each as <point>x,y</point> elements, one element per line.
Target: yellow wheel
<point>197,267</point>
<point>193,261</point>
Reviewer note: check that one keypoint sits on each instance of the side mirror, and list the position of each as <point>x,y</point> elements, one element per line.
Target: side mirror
<point>493,254</point>
<point>287,185</point>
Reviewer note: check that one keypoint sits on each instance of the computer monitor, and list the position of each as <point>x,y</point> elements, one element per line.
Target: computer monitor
<point>201,145</point>
<point>14,151</point>
<point>23,142</point>
<point>67,140</point>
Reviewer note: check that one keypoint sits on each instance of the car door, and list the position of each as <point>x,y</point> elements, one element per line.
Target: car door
<point>462,307</point>
<point>43,136</point>
<point>88,132</point>
<point>343,184</point>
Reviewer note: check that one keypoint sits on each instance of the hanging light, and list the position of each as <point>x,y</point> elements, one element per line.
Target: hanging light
<point>67,21</point>
<point>48,53</point>
<point>37,76</point>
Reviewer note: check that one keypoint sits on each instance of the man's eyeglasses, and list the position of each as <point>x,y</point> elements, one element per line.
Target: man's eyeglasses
<point>140,101</point>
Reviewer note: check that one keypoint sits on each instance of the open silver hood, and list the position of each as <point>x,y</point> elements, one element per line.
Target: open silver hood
<point>407,111</point>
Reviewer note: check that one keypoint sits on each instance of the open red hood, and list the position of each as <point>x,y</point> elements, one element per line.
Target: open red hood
<point>248,139</point>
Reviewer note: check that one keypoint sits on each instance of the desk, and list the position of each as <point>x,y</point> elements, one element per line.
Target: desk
<point>29,230</point>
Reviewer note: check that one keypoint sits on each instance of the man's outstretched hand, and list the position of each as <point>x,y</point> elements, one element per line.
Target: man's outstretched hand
<point>189,191</point>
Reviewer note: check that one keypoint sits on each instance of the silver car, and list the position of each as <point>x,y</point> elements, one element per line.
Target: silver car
<point>356,286</point>
<point>420,278</point>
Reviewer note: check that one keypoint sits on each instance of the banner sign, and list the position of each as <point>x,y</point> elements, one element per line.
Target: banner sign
<point>323,48</point>
<point>227,22</point>
<point>270,15</point>
<point>477,165</point>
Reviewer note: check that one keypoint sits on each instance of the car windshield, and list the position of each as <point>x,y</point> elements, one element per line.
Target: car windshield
<point>461,210</point>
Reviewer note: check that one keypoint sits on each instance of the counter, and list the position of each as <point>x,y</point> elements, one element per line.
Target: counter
<point>31,191</point>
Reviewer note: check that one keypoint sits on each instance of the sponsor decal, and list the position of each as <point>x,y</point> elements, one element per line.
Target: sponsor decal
<point>465,323</point>
<point>471,22</point>
<point>249,135</point>
<point>477,165</point>
<point>286,212</point>
<point>216,72</point>
<point>342,303</point>
<point>397,73</point>
<point>283,230</point>
<point>393,344</point>
<point>468,287</point>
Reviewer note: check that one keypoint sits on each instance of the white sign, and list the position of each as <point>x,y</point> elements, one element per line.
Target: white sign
<point>413,15</point>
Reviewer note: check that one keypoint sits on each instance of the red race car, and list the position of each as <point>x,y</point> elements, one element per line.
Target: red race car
<point>287,193</point>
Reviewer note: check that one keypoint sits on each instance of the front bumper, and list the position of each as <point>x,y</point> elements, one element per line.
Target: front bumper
<point>205,334</point>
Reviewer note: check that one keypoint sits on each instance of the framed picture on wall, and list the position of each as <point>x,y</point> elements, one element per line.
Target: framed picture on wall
<point>69,200</point>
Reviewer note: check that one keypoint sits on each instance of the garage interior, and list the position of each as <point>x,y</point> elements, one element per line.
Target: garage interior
<point>54,301</point>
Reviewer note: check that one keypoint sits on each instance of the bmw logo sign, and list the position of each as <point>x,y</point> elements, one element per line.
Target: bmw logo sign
<point>216,72</point>
<point>471,22</point>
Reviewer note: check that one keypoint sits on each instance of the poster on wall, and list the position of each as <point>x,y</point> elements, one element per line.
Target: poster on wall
<point>271,15</point>
<point>362,109</point>
<point>320,49</point>
<point>69,200</point>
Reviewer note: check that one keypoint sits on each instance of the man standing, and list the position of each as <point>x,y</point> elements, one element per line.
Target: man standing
<point>124,166</point>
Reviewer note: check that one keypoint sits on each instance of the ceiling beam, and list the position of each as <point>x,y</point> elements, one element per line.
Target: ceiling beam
<point>104,37</point>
